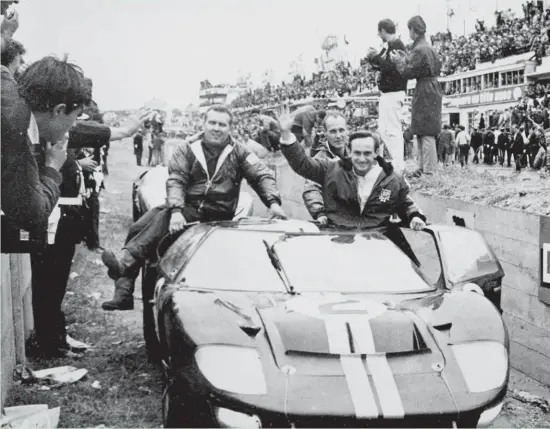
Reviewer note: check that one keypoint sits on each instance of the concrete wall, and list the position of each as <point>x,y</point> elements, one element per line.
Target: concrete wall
<point>515,238</point>
<point>16,316</point>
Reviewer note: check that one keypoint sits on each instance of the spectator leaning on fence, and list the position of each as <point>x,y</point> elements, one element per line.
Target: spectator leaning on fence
<point>35,117</point>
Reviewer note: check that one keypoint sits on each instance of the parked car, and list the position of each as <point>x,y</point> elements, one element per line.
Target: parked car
<point>271,323</point>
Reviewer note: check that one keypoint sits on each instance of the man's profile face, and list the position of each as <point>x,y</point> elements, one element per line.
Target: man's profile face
<point>217,127</point>
<point>61,122</point>
<point>362,154</point>
<point>336,131</point>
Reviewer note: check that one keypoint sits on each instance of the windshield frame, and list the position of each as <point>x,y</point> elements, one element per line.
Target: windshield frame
<point>285,236</point>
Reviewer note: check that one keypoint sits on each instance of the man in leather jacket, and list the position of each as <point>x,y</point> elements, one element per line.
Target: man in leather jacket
<point>203,185</point>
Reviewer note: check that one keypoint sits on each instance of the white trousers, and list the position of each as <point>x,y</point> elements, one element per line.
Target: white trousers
<point>389,126</point>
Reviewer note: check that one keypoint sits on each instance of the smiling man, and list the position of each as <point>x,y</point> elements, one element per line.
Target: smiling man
<point>204,183</point>
<point>360,192</point>
<point>337,136</point>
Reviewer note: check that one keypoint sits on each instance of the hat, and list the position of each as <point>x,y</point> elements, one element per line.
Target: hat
<point>417,24</point>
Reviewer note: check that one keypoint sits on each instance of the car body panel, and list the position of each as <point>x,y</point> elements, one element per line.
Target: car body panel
<point>361,357</point>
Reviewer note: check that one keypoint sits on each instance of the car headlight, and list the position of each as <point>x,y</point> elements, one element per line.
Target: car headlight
<point>234,369</point>
<point>484,364</point>
<point>233,419</point>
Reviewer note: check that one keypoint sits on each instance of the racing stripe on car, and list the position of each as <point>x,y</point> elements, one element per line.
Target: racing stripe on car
<point>338,339</point>
<point>359,387</point>
<point>354,369</point>
<point>386,388</point>
<point>362,336</point>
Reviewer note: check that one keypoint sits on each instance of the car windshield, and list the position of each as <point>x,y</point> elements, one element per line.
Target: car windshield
<point>238,260</point>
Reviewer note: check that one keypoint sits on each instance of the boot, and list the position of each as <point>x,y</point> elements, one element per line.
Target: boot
<point>117,268</point>
<point>124,295</point>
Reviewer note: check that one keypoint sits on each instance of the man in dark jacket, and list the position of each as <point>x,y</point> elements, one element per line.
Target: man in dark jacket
<point>34,122</point>
<point>503,144</point>
<point>392,88</point>
<point>360,192</point>
<point>337,135</point>
<point>516,148</point>
<point>305,118</point>
<point>138,147</point>
<point>423,64</point>
<point>446,145</point>
<point>476,141</point>
<point>203,185</point>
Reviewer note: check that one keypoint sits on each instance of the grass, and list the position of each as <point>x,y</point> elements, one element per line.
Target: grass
<point>130,393</point>
<point>528,191</point>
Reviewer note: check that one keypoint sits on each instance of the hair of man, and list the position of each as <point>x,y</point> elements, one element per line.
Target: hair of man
<point>49,82</point>
<point>387,25</point>
<point>11,50</point>
<point>220,108</point>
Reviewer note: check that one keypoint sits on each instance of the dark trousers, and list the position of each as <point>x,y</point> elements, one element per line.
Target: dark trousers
<point>464,154</point>
<point>138,157</point>
<point>50,274</point>
<point>92,221</point>
<point>476,148</point>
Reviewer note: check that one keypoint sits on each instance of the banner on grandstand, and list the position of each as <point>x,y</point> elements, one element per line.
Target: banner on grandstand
<point>488,96</point>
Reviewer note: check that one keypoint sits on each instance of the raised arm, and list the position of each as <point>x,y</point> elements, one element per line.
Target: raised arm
<point>299,161</point>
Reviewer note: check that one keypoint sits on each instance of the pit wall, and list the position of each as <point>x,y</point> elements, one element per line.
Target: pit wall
<point>16,316</point>
<point>516,239</point>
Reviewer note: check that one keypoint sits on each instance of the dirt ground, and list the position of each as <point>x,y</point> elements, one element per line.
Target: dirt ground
<point>130,387</point>
<point>527,191</point>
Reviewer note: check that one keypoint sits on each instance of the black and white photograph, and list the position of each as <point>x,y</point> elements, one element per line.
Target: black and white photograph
<point>275,213</point>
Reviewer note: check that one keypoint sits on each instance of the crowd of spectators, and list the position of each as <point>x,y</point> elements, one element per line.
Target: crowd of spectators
<point>343,80</point>
<point>511,35</point>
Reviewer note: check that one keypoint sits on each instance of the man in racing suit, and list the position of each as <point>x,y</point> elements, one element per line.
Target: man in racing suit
<point>337,135</point>
<point>359,192</point>
<point>203,185</point>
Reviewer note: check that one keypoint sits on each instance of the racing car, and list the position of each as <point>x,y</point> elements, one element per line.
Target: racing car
<point>277,323</point>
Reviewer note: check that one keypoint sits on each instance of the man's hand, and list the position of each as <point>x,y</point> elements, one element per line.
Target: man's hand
<point>177,222</point>
<point>56,154</point>
<point>277,212</point>
<point>286,121</point>
<point>9,25</point>
<point>135,121</point>
<point>88,164</point>
<point>323,220</point>
<point>417,224</point>
<point>371,53</point>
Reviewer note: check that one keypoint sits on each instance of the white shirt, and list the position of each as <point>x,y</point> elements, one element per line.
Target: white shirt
<point>365,184</point>
<point>462,138</point>
<point>32,131</point>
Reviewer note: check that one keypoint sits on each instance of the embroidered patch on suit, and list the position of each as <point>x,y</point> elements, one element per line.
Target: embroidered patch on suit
<point>385,195</point>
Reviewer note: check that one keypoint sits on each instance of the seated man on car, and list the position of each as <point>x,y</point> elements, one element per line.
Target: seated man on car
<point>203,185</point>
<point>359,192</point>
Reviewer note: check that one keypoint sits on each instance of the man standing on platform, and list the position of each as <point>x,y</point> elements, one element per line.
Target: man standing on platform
<point>392,92</point>
<point>423,64</point>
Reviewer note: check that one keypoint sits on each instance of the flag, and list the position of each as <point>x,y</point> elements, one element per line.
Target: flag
<point>451,13</point>
<point>346,40</point>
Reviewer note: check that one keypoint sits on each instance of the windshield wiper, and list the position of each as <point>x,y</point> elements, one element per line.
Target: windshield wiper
<point>276,262</point>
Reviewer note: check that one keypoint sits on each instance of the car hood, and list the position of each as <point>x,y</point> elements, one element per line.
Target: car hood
<point>326,353</point>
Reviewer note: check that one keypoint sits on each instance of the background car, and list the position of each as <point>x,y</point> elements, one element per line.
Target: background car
<point>270,323</point>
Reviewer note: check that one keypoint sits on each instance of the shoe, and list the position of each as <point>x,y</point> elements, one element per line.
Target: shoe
<point>123,298</point>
